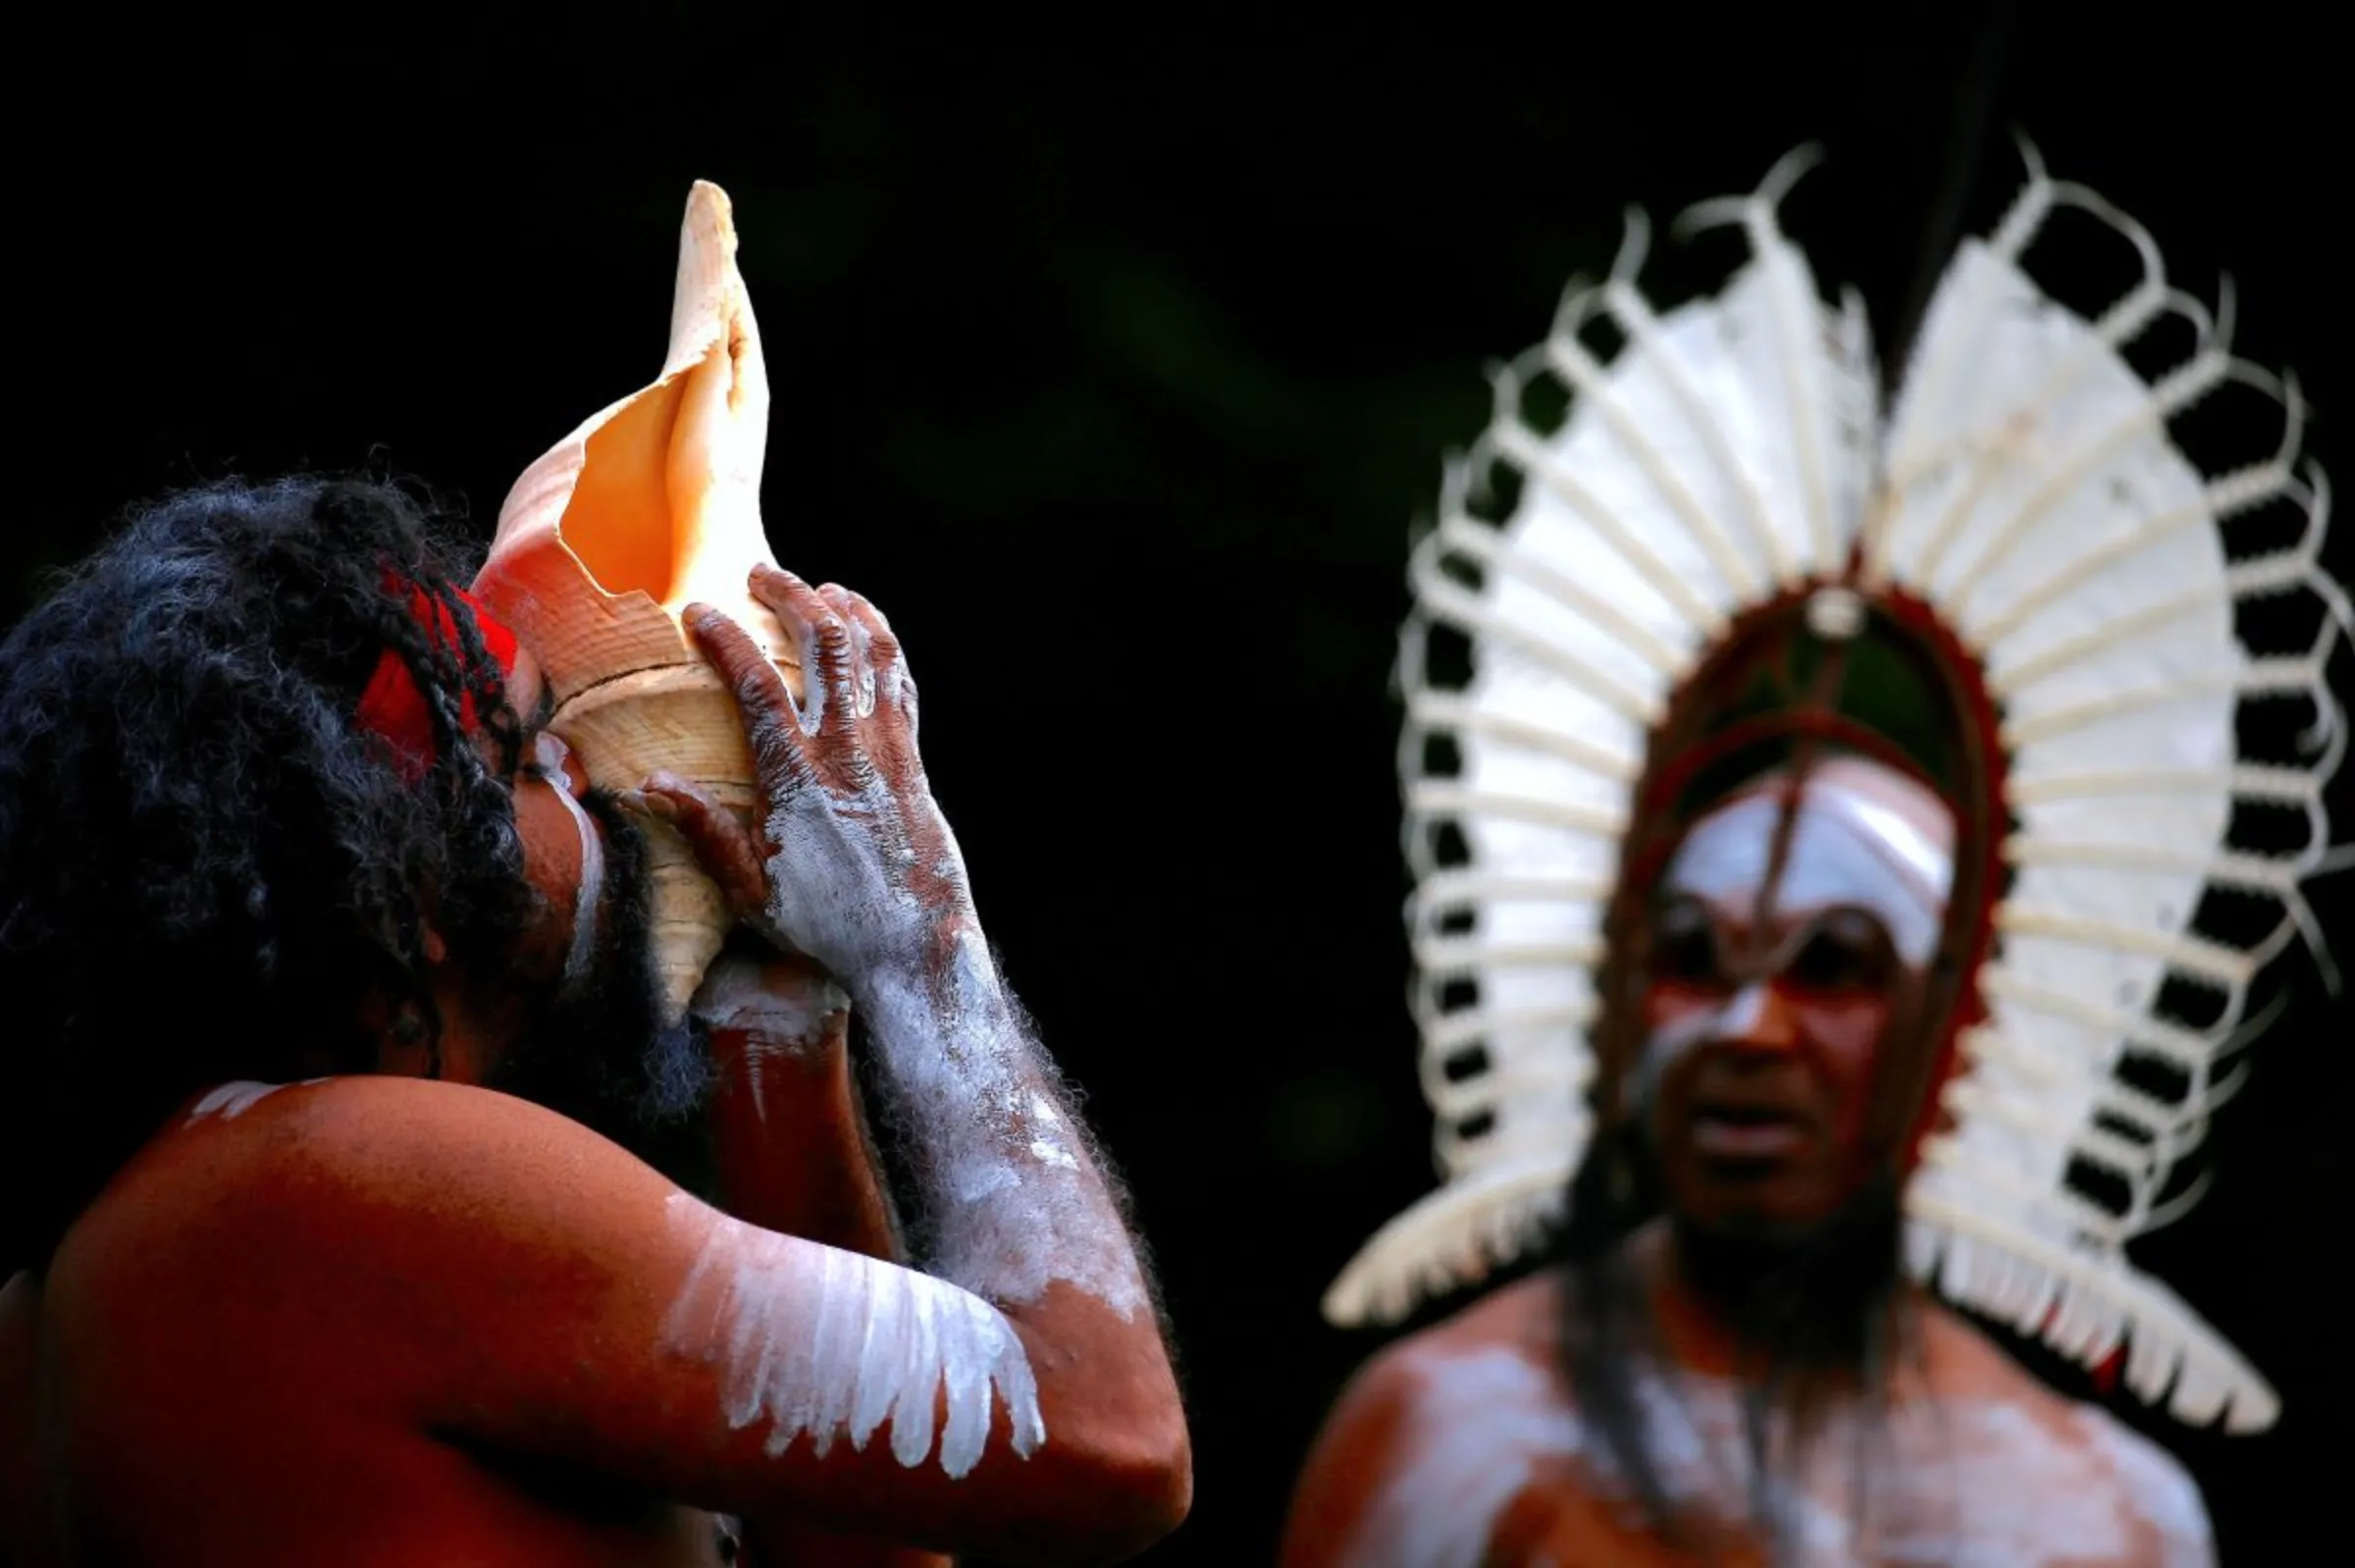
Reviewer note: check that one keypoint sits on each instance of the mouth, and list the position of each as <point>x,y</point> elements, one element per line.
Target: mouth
<point>1746,1133</point>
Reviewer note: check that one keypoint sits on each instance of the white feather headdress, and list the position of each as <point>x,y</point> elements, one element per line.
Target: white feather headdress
<point>2026,491</point>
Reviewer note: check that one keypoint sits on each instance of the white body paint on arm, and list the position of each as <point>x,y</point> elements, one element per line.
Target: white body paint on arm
<point>1015,1204</point>
<point>862,875</point>
<point>831,1343</point>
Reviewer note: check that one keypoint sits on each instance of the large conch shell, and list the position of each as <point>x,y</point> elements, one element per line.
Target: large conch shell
<point>650,505</point>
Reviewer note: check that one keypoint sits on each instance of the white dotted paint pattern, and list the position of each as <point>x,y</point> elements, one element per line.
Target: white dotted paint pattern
<point>830,1343</point>
<point>1963,1482</point>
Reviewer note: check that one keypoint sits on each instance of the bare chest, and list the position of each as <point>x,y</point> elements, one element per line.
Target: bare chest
<point>1502,1471</point>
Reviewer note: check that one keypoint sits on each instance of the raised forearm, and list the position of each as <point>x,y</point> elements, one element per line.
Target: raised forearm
<point>794,1157</point>
<point>1013,1196</point>
<point>792,1140</point>
<point>1035,1334</point>
<point>1018,1212</point>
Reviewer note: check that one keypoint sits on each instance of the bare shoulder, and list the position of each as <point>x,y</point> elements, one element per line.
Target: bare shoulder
<point>359,1177</point>
<point>370,1128</point>
<point>2149,1490</point>
<point>1435,1437</point>
<point>1498,1345</point>
<point>2153,1486</point>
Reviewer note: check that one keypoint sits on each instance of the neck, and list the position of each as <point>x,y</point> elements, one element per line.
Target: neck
<point>1811,1309</point>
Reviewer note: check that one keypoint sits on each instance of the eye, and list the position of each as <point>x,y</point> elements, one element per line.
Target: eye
<point>1847,949</point>
<point>1685,948</point>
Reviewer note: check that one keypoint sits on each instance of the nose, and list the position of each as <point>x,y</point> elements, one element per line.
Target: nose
<point>1759,1017</point>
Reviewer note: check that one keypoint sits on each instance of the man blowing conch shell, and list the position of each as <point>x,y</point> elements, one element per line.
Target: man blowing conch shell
<point>398,1201</point>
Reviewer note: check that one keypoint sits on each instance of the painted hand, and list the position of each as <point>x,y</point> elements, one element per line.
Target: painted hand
<point>848,859</point>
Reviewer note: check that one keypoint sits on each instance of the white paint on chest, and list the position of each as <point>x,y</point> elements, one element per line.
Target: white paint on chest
<point>1962,1484</point>
<point>1483,1421</point>
<point>818,1340</point>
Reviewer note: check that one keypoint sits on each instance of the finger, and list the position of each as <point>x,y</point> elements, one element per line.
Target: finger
<point>772,721</point>
<point>829,686</point>
<point>722,840</point>
<point>884,653</point>
<point>863,666</point>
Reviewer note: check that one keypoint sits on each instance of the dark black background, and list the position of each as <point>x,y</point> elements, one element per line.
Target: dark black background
<point>1116,366</point>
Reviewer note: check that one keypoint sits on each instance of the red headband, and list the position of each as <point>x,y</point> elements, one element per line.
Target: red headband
<point>395,710</point>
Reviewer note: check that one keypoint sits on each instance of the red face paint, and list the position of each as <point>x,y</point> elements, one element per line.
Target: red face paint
<point>391,707</point>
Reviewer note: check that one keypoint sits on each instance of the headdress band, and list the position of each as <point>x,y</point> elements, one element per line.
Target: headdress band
<point>392,709</point>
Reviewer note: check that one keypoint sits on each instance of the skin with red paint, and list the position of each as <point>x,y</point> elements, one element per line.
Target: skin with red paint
<point>1766,1016</point>
<point>384,1318</point>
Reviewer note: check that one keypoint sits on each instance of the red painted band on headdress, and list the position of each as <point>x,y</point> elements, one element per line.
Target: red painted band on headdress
<point>394,709</point>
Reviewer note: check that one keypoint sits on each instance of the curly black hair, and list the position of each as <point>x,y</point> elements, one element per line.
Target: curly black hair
<point>206,865</point>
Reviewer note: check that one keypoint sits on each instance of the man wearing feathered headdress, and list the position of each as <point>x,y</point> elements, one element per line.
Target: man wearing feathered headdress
<point>1810,915</point>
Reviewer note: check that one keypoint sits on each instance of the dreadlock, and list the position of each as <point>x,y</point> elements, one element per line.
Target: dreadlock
<point>204,865</point>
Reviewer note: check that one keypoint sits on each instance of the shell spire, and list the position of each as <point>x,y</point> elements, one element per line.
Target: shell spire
<point>653,503</point>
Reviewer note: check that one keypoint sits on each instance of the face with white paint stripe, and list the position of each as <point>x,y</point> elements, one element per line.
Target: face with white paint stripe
<point>564,843</point>
<point>1774,988</point>
<point>570,1018</point>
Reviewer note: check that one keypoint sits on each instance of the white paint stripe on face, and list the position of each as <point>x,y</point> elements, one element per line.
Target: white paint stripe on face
<point>1668,1043</point>
<point>1844,848</point>
<point>549,754</point>
<point>832,1343</point>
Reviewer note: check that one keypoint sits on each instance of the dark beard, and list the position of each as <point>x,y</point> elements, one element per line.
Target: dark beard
<point>1803,1301</point>
<point>600,1054</point>
<point>1813,1310</point>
